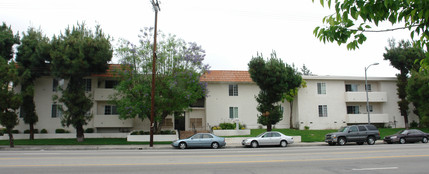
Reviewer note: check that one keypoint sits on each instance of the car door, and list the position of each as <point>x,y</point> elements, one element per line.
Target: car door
<point>265,139</point>
<point>206,140</point>
<point>413,136</point>
<point>363,133</point>
<point>275,138</point>
<point>353,134</point>
<point>194,141</point>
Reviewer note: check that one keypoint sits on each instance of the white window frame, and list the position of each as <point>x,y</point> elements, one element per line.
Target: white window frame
<point>323,110</point>
<point>233,89</point>
<point>56,111</point>
<point>110,110</point>
<point>321,88</point>
<point>233,112</point>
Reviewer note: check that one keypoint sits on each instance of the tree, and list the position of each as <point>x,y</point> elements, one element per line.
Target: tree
<point>76,54</point>
<point>274,79</point>
<point>418,93</point>
<point>290,97</point>
<point>306,71</point>
<point>352,19</point>
<point>179,67</point>
<point>32,54</point>
<point>402,57</point>
<point>10,101</point>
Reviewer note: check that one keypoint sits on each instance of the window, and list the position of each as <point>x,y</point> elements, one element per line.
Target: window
<point>110,110</point>
<point>207,136</point>
<point>88,84</point>
<point>370,108</point>
<point>233,90</point>
<point>353,129</point>
<point>369,88</point>
<point>351,87</point>
<point>321,88</point>
<point>56,111</point>
<point>233,112</point>
<point>111,84</point>
<point>362,128</point>
<point>196,122</point>
<point>352,109</point>
<point>323,110</point>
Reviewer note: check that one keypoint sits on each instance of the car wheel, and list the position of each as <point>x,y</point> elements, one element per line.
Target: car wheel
<point>215,145</point>
<point>254,144</point>
<point>425,140</point>
<point>332,143</point>
<point>370,140</point>
<point>402,140</point>
<point>341,141</point>
<point>359,143</point>
<point>182,145</point>
<point>283,143</point>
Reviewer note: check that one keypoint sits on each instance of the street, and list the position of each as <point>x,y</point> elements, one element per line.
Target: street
<point>380,158</point>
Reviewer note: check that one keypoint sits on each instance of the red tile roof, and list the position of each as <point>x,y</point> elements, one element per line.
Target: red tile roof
<point>226,76</point>
<point>110,72</point>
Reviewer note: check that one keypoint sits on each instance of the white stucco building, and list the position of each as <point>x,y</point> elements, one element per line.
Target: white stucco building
<point>328,102</point>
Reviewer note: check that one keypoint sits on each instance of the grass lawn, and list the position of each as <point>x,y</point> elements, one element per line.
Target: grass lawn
<point>88,141</point>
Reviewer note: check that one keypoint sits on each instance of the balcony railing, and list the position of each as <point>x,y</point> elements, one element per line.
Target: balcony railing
<point>361,96</point>
<point>363,118</point>
<point>111,121</point>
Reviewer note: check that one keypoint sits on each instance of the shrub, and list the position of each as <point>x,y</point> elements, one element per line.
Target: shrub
<point>230,126</point>
<point>2,132</point>
<point>36,131</point>
<point>44,131</point>
<point>216,128</point>
<point>306,127</point>
<point>414,124</point>
<point>61,131</point>
<point>89,130</point>
<point>15,131</point>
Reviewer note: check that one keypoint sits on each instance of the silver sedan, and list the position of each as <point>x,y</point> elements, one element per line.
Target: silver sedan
<point>268,139</point>
<point>200,140</point>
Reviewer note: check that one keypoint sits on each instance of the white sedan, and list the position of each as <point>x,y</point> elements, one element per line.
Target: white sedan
<point>268,139</point>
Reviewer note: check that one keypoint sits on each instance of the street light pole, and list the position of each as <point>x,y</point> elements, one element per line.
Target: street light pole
<point>366,90</point>
<point>152,107</point>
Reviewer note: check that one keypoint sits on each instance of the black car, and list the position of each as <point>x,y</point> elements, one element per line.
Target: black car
<point>405,136</point>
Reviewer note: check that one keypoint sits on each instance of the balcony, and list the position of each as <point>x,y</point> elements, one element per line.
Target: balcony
<point>363,118</point>
<point>361,96</point>
<point>111,121</point>
<point>102,94</point>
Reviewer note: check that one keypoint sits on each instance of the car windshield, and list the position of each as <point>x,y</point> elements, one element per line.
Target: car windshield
<point>402,132</point>
<point>260,134</point>
<point>342,129</point>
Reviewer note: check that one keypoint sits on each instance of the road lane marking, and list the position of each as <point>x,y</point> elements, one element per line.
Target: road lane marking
<point>212,162</point>
<point>383,168</point>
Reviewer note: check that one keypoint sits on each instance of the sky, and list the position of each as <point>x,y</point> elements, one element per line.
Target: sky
<point>230,31</point>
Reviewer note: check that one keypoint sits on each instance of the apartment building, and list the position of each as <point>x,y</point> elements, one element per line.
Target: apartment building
<point>328,102</point>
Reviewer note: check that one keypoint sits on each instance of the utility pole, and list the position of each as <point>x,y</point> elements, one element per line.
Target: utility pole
<point>152,107</point>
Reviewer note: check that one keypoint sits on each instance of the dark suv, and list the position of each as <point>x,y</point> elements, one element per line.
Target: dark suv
<point>354,133</point>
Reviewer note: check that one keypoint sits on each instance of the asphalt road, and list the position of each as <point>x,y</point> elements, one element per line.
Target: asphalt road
<point>380,158</point>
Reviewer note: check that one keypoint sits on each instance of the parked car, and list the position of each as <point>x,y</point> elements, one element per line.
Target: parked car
<point>354,133</point>
<point>268,139</point>
<point>405,136</point>
<point>200,140</point>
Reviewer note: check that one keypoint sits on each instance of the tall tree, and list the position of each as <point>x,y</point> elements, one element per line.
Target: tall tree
<point>179,66</point>
<point>290,97</point>
<point>418,93</point>
<point>402,57</point>
<point>31,57</point>
<point>305,71</point>
<point>353,18</point>
<point>10,101</point>
<point>274,79</point>
<point>78,53</point>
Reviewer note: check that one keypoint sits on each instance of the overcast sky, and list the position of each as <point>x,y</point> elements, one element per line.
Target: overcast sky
<point>231,31</point>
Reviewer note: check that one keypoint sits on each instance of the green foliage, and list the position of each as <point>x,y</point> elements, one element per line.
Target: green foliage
<point>89,130</point>
<point>274,78</point>
<point>77,53</point>
<point>179,65</point>
<point>418,94</point>
<point>7,40</point>
<point>88,141</point>
<point>61,131</point>
<point>353,18</point>
<point>27,131</point>
<point>226,126</point>
<point>44,131</point>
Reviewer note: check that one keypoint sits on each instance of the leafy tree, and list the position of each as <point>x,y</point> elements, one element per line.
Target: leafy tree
<point>10,101</point>
<point>274,79</point>
<point>306,71</point>
<point>31,57</point>
<point>418,93</point>
<point>402,57</point>
<point>179,66</point>
<point>352,19</point>
<point>78,53</point>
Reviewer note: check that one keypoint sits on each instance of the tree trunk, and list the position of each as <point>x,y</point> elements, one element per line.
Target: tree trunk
<point>31,131</point>
<point>406,121</point>
<point>290,119</point>
<point>79,133</point>
<point>11,143</point>
<point>269,127</point>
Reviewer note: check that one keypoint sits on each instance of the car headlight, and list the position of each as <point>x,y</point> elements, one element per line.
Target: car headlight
<point>393,137</point>
<point>334,136</point>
